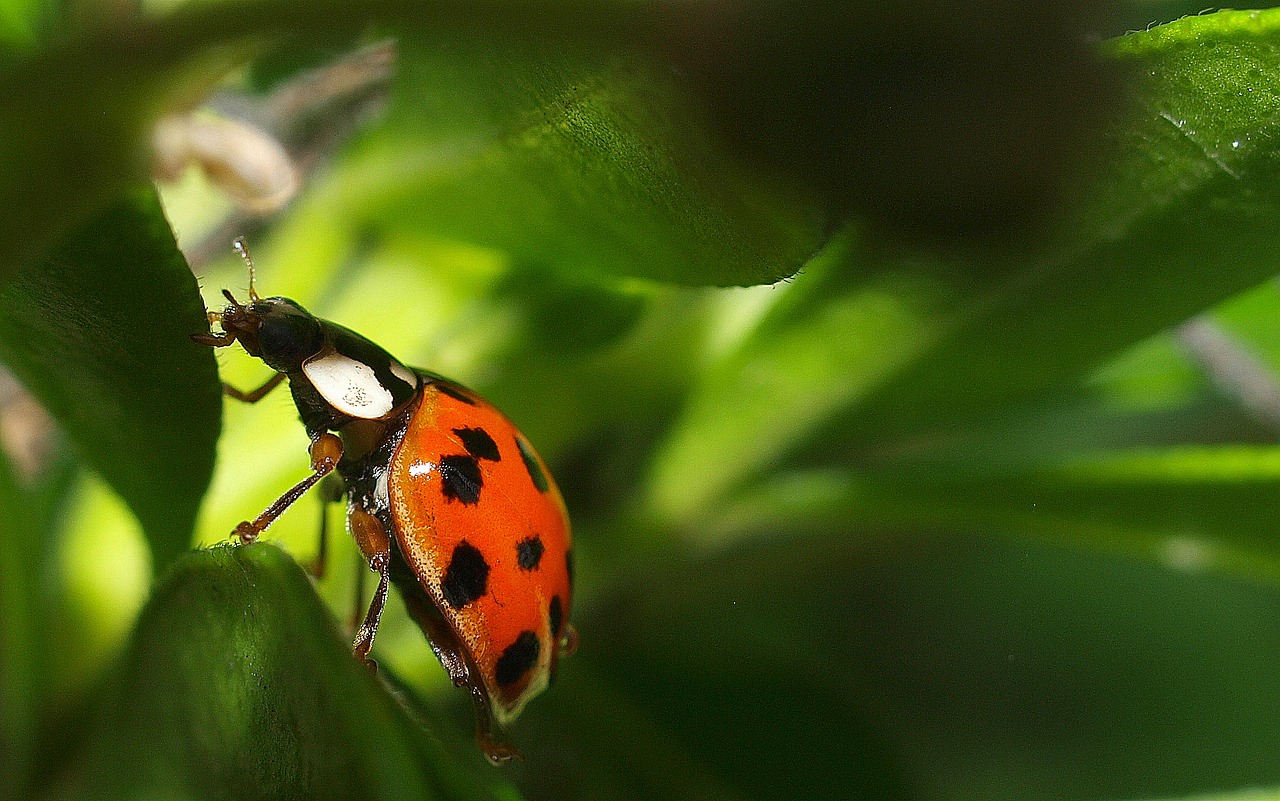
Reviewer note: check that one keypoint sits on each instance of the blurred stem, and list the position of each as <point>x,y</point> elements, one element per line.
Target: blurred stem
<point>26,429</point>
<point>195,27</point>
<point>1233,368</point>
<point>312,114</point>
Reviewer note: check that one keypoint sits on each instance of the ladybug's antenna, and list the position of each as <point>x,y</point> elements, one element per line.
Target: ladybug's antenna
<point>243,250</point>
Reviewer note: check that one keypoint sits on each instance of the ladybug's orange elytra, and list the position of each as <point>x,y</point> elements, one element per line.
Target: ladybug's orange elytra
<point>462,471</point>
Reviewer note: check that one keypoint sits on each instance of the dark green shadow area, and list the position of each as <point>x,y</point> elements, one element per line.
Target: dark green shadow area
<point>18,669</point>
<point>942,665</point>
<point>237,684</point>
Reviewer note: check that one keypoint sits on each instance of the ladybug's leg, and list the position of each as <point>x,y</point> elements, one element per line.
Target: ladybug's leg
<point>214,340</point>
<point>331,491</point>
<point>326,450</point>
<point>253,395</point>
<point>372,538</point>
<point>497,751</point>
<point>357,597</point>
<point>369,628</point>
<point>462,672</point>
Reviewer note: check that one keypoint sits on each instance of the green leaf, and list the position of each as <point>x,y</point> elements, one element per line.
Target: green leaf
<point>1204,508</point>
<point>75,135</point>
<point>576,158</point>
<point>80,113</point>
<point>946,122</point>
<point>99,332</point>
<point>1236,795</point>
<point>1208,508</point>
<point>1182,217</point>
<point>236,684</point>
<point>647,152</point>
<point>752,404</point>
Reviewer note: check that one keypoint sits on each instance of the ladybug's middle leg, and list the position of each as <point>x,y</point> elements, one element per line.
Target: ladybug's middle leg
<point>372,538</point>
<point>332,488</point>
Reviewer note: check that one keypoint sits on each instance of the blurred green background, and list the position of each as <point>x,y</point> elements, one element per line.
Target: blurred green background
<point>909,370</point>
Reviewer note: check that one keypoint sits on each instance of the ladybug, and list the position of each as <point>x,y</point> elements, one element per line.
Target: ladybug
<point>446,500</point>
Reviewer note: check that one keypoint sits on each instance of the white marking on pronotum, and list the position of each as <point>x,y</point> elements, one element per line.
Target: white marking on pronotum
<point>405,374</point>
<point>349,386</point>
<point>421,468</point>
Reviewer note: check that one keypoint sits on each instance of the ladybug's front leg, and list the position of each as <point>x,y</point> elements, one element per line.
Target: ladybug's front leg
<point>371,537</point>
<point>253,395</point>
<point>326,450</point>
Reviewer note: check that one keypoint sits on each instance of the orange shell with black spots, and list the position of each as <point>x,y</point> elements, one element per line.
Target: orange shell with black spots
<point>481,523</point>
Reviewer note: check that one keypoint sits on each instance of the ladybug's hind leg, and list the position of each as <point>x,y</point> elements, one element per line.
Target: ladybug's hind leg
<point>369,628</point>
<point>462,672</point>
<point>495,749</point>
<point>357,598</point>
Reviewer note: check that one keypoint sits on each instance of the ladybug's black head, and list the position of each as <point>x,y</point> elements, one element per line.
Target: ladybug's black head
<point>336,374</point>
<point>276,330</point>
<point>287,333</point>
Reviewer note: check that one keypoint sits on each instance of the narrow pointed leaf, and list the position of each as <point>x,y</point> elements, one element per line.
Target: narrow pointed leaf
<point>100,333</point>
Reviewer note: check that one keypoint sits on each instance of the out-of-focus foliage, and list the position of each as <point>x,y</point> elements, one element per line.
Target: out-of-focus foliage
<point>908,369</point>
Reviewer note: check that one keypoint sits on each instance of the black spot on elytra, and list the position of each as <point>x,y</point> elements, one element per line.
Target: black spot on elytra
<point>478,443</point>
<point>517,659</point>
<point>460,479</point>
<point>455,393</point>
<point>531,464</point>
<point>529,552</point>
<point>556,616</point>
<point>568,564</point>
<point>467,577</point>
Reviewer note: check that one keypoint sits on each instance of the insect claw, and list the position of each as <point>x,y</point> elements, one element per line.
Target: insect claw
<point>247,532</point>
<point>569,642</point>
<point>497,752</point>
<point>213,340</point>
